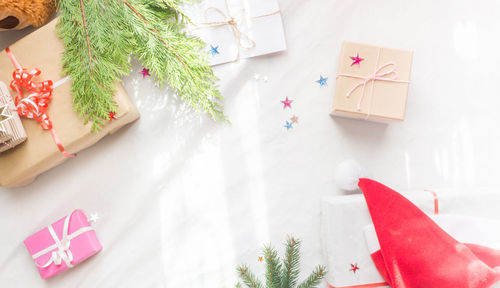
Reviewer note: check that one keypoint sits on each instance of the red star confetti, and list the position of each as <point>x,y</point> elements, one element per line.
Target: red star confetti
<point>112,116</point>
<point>294,119</point>
<point>356,60</point>
<point>354,267</point>
<point>287,103</point>
<point>144,72</point>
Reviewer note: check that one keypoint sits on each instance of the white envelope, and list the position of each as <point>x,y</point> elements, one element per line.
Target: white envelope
<point>257,29</point>
<point>343,219</point>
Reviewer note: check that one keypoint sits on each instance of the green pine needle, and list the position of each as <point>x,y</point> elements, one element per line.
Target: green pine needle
<point>100,35</point>
<point>282,275</point>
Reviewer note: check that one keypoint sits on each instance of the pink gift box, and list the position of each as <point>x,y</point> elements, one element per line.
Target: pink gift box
<point>63,244</point>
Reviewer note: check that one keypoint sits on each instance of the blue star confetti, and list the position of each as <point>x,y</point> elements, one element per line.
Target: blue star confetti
<point>288,125</point>
<point>322,81</point>
<point>214,50</point>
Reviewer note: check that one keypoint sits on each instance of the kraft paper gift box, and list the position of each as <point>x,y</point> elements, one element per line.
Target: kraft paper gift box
<point>19,166</point>
<point>11,128</point>
<point>63,244</point>
<point>344,220</point>
<point>237,29</point>
<point>372,82</point>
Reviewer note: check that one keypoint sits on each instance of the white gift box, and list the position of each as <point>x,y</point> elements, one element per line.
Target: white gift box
<point>236,29</point>
<point>344,220</point>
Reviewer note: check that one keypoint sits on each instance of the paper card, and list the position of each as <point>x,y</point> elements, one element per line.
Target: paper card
<point>257,28</point>
<point>344,218</point>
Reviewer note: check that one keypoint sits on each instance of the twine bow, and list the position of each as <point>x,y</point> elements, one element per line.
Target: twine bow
<point>35,105</point>
<point>230,21</point>
<point>63,252</point>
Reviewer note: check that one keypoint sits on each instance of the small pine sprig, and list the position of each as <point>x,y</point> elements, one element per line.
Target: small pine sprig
<point>273,268</point>
<point>291,263</point>
<point>282,275</point>
<point>314,279</point>
<point>248,277</point>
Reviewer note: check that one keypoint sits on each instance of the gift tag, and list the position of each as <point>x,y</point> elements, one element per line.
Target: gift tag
<point>11,128</point>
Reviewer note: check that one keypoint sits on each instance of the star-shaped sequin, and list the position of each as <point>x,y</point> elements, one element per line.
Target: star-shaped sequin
<point>356,60</point>
<point>214,50</point>
<point>288,125</point>
<point>294,119</point>
<point>261,259</point>
<point>322,81</point>
<point>144,72</point>
<point>4,117</point>
<point>112,116</point>
<point>287,103</point>
<point>354,267</point>
<point>94,217</point>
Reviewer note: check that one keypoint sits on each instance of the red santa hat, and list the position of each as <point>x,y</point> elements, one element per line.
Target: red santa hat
<point>416,253</point>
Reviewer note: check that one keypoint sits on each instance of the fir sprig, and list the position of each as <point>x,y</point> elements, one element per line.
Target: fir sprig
<point>273,277</point>
<point>100,35</point>
<point>248,277</point>
<point>291,263</point>
<point>281,275</point>
<point>314,279</point>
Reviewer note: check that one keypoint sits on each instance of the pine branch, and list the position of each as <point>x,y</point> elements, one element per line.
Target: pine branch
<point>100,35</point>
<point>173,55</point>
<point>95,68</point>
<point>314,279</point>
<point>291,270</point>
<point>273,277</point>
<point>248,277</point>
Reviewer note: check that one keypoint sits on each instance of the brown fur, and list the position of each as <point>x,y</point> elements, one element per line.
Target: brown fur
<point>38,12</point>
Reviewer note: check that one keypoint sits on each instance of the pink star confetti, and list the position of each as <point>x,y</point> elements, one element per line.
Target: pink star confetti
<point>356,60</point>
<point>144,72</point>
<point>354,268</point>
<point>287,103</point>
<point>112,116</point>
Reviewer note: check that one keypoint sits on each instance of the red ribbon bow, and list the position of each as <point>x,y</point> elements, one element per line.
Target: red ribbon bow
<point>35,105</point>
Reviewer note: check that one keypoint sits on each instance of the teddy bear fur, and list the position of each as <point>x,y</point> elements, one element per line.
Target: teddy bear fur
<point>36,12</point>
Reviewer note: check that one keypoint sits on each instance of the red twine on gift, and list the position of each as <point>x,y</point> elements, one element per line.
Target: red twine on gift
<point>35,105</point>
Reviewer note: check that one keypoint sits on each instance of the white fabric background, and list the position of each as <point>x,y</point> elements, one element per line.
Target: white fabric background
<point>183,200</point>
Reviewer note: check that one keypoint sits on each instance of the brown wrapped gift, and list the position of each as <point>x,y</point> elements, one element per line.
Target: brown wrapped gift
<point>11,129</point>
<point>376,86</point>
<point>21,165</point>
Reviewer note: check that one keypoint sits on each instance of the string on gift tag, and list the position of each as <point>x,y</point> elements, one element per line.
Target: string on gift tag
<point>377,74</point>
<point>35,105</point>
<point>233,24</point>
<point>63,252</point>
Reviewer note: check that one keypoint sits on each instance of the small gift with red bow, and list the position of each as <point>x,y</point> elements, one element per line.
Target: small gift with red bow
<point>63,244</point>
<point>41,96</point>
<point>372,82</point>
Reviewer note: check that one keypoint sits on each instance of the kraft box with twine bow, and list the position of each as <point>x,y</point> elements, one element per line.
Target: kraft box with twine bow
<point>372,82</point>
<point>42,96</point>
<point>236,29</point>
<point>63,244</point>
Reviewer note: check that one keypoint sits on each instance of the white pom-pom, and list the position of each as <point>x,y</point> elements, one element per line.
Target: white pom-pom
<point>347,175</point>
